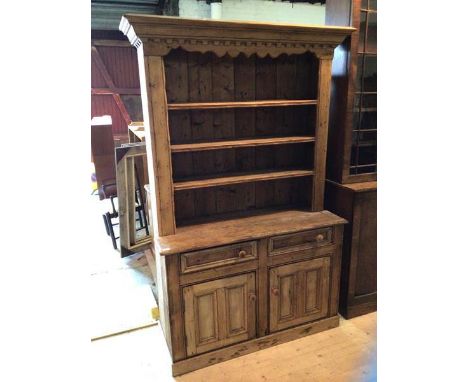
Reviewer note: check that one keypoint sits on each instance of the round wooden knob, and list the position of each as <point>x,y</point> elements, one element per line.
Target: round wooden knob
<point>242,253</point>
<point>319,237</point>
<point>252,297</point>
<point>275,291</point>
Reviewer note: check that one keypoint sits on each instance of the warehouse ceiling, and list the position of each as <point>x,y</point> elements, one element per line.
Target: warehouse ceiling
<point>106,14</point>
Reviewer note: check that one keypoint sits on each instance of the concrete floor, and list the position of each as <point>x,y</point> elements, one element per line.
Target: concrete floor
<point>122,296</point>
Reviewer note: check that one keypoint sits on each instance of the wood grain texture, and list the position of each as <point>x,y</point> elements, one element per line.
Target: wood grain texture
<point>346,353</point>
<point>241,178</point>
<point>358,285</point>
<point>174,303</point>
<point>295,296</point>
<point>244,348</point>
<point>219,313</point>
<point>262,288</point>
<point>217,257</point>
<point>229,144</point>
<point>299,241</point>
<point>336,271</point>
<point>217,273</point>
<point>240,104</point>
<point>321,133</point>
<point>345,69</point>
<point>158,143</point>
<point>161,34</point>
<point>221,139</point>
<point>248,228</point>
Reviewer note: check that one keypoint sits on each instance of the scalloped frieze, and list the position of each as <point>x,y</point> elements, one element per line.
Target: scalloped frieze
<point>221,47</point>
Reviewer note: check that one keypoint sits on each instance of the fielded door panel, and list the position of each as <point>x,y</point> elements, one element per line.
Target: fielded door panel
<point>299,293</point>
<point>219,313</point>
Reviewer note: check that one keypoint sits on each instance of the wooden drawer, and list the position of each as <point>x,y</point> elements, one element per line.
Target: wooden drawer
<point>299,241</point>
<point>217,257</point>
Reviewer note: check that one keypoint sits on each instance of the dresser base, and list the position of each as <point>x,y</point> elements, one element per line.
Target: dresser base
<point>238,350</point>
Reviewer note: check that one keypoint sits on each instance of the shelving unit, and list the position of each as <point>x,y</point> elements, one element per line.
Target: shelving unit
<point>241,128</point>
<point>353,122</point>
<point>364,127</point>
<point>351,189</point>
<point>237,118</point>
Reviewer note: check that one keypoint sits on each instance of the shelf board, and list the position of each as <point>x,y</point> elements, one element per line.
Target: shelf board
<point>218,145</point>
<point>239,178</point>
<point>365,144</point>
<point>240,104</point>
<point>364,130</point>
<point>363,165</point>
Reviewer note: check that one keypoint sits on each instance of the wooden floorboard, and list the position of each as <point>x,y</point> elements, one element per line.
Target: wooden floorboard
<point>343,354</point>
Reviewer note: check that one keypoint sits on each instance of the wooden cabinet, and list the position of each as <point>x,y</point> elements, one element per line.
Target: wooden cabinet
<point>219,305</point>
<point>352,151</point>
<point>236,118</point>
<point>357,203</point>
<point>299,293</point>
<point>219,313</point>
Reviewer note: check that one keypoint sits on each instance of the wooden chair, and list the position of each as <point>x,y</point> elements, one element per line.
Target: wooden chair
<point>103,153</point>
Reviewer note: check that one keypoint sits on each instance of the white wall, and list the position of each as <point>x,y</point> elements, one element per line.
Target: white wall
<point>194,9</point>
<point>257,10</point>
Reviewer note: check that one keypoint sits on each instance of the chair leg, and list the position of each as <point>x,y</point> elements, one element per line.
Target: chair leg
<point>141,202</point>
<point>139,219</point>
<point>112,235</point>
<point>114,211</point>
<point>106,224</point>
<point>145,222</point>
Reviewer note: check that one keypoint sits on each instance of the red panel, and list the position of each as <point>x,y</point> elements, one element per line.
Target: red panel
<point>97,81</point>
<point>122,65</point>
<point>105,105</point>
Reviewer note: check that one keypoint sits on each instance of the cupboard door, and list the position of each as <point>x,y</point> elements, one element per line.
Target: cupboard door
<point>299,293</point>
<point>219,313</point>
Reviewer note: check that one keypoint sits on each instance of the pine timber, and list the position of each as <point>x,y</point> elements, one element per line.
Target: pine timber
<point>237,119</point>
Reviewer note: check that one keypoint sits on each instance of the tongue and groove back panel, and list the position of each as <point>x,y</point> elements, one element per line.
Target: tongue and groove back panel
<point>197,78</point>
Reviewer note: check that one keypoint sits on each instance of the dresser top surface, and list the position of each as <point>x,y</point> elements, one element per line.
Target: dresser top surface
<point>157,20</point>
<point>225,232</point>
<point>201,33</point>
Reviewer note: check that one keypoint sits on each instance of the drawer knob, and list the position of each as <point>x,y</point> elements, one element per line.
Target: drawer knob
<point>242,254</point>
<point>252,297</point>
<point>275,291</point>
<point>319,237</point>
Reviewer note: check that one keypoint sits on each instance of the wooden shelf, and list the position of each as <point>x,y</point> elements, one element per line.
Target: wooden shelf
<point>365,144</point>
<point>364,130</point>
<point>363,165</point>
<point>240,104</point>
<point>218,145</point>
<point>366,109</point>
<point>239,178</point>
